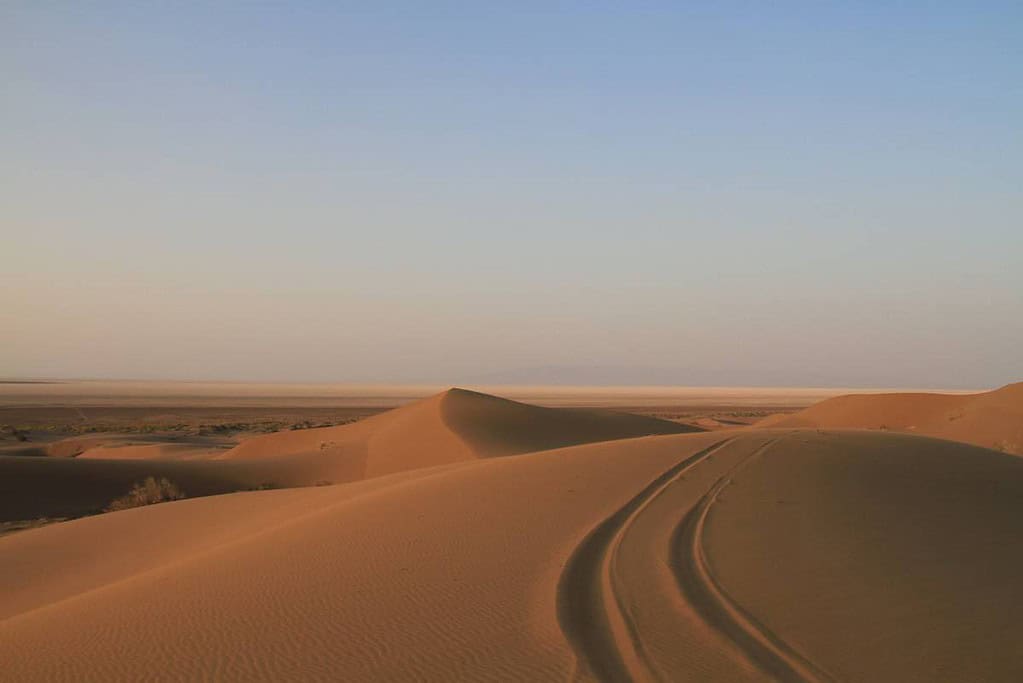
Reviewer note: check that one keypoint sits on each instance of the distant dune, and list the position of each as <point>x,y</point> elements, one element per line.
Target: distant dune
<point>742,555</point>
<point>992,419</point>
<point>456,425</point>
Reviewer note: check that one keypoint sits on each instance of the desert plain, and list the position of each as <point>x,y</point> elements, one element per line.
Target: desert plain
<point>428,533</point>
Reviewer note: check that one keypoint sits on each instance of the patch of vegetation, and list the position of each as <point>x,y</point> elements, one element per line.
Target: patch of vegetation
<point>148,492</point>
<point>309,424</point>
<point>223,428</point>
<point>18,434</point>
<point>207,427</point>
<point>753,413</point>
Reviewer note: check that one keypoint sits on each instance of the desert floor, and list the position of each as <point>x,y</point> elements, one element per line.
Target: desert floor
<point>463,536</point>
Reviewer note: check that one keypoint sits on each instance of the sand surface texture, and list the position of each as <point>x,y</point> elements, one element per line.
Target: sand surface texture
<point>751,554</point>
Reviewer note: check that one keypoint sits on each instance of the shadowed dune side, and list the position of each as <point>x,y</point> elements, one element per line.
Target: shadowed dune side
<point>494,426</point>
<point>880,557</point>
<point>991,419</point>
<point>38,487</point>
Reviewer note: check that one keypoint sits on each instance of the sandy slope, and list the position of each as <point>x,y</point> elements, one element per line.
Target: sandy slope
<point>729,556</point>
<point>457,425</point>
<point>992,419</point>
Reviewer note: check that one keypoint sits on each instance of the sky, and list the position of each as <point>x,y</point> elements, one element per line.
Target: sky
<point>729,193</point>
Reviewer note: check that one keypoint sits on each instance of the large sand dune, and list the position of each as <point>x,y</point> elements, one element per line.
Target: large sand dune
<point>744,555</point>
<point>992,419</point>
<point>456,425</point>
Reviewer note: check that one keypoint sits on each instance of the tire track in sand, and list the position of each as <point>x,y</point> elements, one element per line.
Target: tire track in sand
<point>596,625</point>
<point>758,644</point>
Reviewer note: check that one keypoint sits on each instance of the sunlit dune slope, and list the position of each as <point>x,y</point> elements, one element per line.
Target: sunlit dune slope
<point>992,419</point>
<point>453,426</point>
<point>747,555</point>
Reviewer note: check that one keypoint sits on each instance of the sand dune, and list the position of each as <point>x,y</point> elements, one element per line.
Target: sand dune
<point>728,556</point>
<point>992,419</point>
<point>453,426</point>
<point>754,554</point>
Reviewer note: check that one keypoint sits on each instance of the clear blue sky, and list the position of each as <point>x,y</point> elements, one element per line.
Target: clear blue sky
<point>705,193</point>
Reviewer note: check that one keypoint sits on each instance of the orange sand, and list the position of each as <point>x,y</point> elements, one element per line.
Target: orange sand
<point>751,554</point>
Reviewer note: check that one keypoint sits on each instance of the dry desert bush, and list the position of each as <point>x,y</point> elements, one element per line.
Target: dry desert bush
<point>147,492</point>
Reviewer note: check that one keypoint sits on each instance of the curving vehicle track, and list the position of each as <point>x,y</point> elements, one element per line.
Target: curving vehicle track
<point>748,555</point>
<point>621,630</point>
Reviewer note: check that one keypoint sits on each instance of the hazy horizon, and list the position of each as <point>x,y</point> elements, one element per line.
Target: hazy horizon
<point>721,195</point>
<point>545,379</point>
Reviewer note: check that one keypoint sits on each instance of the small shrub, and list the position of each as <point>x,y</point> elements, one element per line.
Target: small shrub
<point>18,434</point>
<point>148,492</point>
